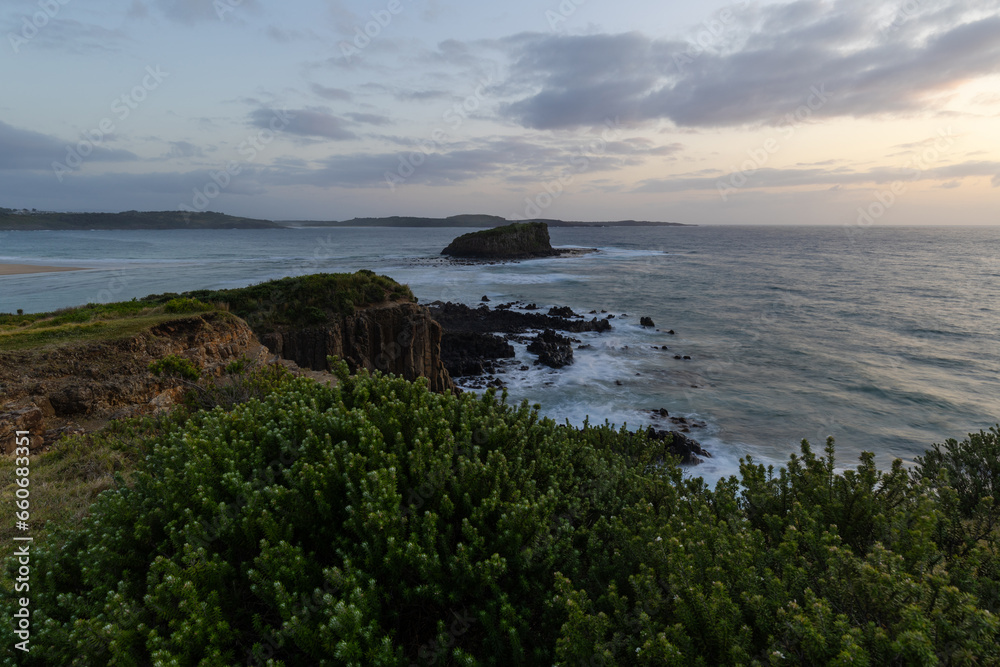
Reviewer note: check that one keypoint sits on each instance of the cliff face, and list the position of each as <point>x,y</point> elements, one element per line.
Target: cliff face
<point>516,241</point>
<point>398,338</point>
<point>49,389</point>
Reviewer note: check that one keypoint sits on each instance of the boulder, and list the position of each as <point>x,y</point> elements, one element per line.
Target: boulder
<point>686,449</point>
<point>552,349</point>
<point>561,311</point>
<point>646,322</point>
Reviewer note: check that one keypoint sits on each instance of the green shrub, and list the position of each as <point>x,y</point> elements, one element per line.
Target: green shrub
<point>185,305</point>
<point>378,523</point>
<point>176,366</point>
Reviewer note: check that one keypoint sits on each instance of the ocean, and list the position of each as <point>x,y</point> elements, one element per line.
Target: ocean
<point>884,338</point>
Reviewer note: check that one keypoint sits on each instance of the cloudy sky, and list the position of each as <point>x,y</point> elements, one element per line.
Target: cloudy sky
<point>798,112</point>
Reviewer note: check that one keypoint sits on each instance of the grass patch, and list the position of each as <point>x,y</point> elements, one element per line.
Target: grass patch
<point>44,334</point>
<point>66,479</point>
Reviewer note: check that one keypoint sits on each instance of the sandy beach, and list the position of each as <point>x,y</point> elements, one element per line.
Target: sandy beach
<point>19,269</point>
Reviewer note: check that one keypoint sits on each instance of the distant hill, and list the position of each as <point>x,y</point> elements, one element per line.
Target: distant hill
<point>21,219</point>
<point>466,220</point>
<point>469,220</point>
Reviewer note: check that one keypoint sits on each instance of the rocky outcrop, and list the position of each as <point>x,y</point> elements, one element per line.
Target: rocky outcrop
<point>399,338</point>
<point>470,346</point>
<point>521,240</point>
<point>47,388</point>
<point>459,317</point>
<point>552,349</point>
<point>467,353</point>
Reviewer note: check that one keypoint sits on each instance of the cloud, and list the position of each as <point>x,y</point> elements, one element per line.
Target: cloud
<point>765,62</point>
<point>303,122</point>
<point>783,178</point>
<point>189,12</point>
<point>369,118</point>
<point>331,93</point>
<point>184,149</point>
<point>420,95</point>
<point>68,36</point>
<point>25,149</point>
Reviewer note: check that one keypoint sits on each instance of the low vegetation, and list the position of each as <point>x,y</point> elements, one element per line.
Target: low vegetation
<point>298,301</point>
<point>378,523</point>
<point>88,323</point>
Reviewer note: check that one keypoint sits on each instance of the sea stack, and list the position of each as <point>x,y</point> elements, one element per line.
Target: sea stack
<point>519,240</point>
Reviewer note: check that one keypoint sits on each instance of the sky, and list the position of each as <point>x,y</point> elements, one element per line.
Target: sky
<point>837,112</point>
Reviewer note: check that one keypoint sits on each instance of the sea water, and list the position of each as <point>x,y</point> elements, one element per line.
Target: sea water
<point>884,338</point>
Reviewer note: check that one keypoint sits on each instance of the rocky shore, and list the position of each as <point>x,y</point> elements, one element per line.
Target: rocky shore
<point>78,386</point>
<point>476,346</point>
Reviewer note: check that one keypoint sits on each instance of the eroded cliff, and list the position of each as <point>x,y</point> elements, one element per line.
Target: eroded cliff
<point>397,338</point>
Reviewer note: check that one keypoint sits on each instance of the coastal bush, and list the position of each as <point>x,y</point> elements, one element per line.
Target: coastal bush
<point>307,299</point>
<point>378,523</point>
<point>185,305</point>
<point>175,365</point>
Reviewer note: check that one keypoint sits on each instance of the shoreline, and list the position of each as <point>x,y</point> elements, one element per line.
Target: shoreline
<point>24,269</point>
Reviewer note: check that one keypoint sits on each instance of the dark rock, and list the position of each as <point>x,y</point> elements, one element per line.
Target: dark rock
<point>552,349</point>
<point>646,322</point>
<point>610,317</point>
<point>73,400</point>
<point>584,347</point>
<point>467,353</point>
<point>459,317</point>
<point>686,449</point>
<point>671,332</point>
<point>485,298</point>
<point>618,382</point>
<point>677,356</point>
<point>686,356</point>
<point>561,311</point>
